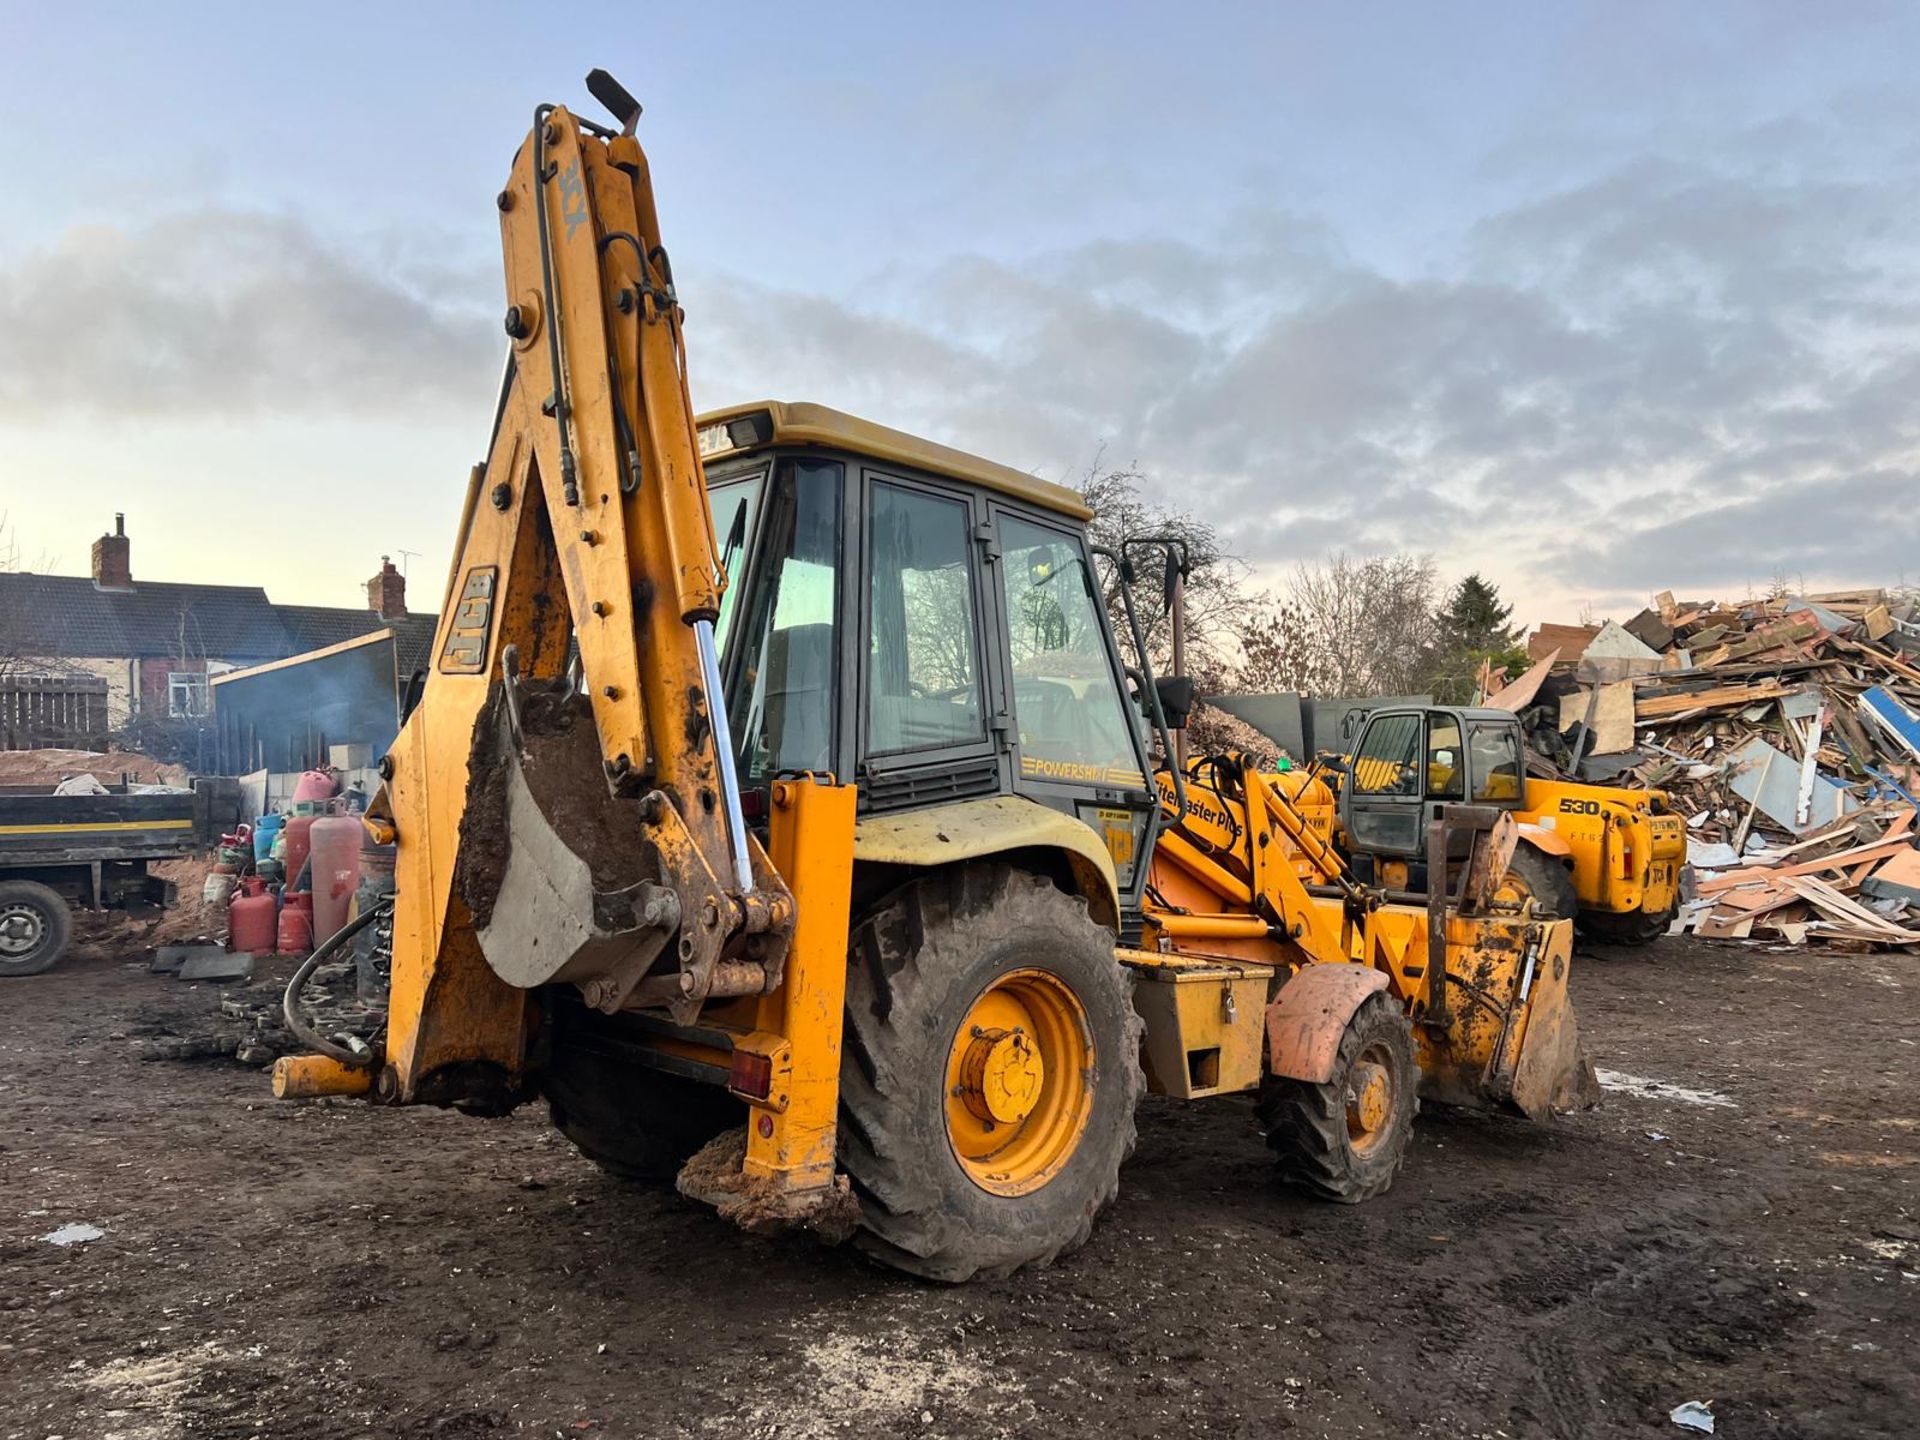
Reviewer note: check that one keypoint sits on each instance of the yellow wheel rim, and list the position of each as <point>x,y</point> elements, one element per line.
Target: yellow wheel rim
<point>1514,893</point>
<point>1019,1082</point>
<point>1370,1099</point>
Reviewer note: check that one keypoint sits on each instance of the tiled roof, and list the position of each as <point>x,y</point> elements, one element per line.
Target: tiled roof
<point>68,615</point>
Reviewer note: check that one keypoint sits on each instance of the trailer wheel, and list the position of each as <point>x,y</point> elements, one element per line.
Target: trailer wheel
<point>631,1120</point>
<point>1344,1140</point>
<point>1634,927</point>
<point>989,1076</point>
<point>35,926</point>
<point>1537,876</point>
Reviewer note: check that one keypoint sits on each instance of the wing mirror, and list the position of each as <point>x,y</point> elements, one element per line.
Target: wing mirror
<point>1176,698</point>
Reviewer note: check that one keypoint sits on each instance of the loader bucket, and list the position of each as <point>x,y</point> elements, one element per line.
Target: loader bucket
<point>1506,1037</point>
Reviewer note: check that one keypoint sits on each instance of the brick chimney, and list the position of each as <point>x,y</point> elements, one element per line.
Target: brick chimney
<point>386,592</point>
<point>112,558</point>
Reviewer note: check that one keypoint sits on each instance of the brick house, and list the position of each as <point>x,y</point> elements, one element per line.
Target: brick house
<point>84,655</point>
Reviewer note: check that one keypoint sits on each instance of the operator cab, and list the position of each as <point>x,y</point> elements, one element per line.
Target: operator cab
<point>1411,761</point>
<point>922,621</point>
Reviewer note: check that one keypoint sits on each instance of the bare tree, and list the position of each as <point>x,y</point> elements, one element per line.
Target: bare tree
<point>1219,603</point>
<point>1347,626</point>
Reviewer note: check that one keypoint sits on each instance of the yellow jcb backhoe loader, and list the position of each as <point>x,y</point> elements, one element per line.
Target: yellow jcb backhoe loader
<point>779,808</point>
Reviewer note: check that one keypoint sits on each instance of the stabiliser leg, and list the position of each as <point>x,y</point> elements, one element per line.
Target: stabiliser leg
<point>787,1068</point>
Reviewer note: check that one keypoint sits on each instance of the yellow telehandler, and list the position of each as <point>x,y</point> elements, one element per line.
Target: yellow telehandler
<point>779,807</point>
<point>1611,858</point>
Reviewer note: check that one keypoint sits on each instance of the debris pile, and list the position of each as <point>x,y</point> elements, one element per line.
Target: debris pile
<point>247,1022</point>
<point>1785,731</point>
<point>1855,883</point>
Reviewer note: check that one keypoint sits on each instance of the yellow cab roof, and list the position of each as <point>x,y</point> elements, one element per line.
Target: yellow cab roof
<point>800,423</point>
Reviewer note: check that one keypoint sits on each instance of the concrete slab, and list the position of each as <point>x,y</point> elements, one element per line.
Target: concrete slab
<point>218,966</point>
<point>169,958</point>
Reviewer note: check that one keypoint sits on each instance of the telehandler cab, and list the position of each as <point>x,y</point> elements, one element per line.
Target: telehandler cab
<point>779,807</point>
<point>1614,858</point>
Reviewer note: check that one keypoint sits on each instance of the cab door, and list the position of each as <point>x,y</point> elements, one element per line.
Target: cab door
<point>1408,764</point>
<point>928,713</point>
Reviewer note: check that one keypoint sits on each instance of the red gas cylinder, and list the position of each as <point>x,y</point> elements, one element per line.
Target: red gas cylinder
<point>252,920</point>
<point>295,935</point>
<point>313,786</point>
<point>335,842</point>
<point>299,833</point>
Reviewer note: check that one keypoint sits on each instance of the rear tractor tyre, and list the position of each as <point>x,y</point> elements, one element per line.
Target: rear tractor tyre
<point>989,1077</point>
<point>35,926</point>
<point>1534,875</point>
<point>631,1120</point>
<point>1344,1140</point>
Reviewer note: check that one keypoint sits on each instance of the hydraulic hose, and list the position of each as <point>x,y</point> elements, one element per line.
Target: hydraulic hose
<point>290,1006</point>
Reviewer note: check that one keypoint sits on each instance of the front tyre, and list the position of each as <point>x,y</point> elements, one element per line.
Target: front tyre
<point>1533,875</point>
<point>1344,1140</point>
<point>990,1073</point>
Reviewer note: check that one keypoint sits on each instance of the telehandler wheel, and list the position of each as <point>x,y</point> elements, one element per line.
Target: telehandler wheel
<point>1535,875</point>
<point>989,1076</point>
<point>1344,1140</point>
<point>629,1119</point>
<point>1634,927</point>
<point>34,927</point>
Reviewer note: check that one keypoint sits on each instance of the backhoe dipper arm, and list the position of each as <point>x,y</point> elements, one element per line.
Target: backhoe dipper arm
<point>544,837</point>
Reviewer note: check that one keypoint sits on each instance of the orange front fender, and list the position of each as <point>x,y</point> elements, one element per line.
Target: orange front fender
<point>1308,1017</point>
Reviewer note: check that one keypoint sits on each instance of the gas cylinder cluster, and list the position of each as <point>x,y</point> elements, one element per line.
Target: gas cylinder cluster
<point>298,874</point>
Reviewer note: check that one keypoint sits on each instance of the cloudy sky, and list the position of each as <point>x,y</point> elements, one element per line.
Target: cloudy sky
<point>1596,299</point>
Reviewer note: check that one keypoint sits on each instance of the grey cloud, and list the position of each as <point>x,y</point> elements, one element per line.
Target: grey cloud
<point>1668,373</point>
<point>1636,380</point>
<point>1864,525</point>
<point>224,312</point>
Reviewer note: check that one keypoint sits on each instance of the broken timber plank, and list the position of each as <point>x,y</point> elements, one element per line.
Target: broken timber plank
<point>1655,707</point>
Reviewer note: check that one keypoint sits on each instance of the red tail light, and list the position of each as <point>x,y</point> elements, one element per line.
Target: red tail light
<point>750,1075</point>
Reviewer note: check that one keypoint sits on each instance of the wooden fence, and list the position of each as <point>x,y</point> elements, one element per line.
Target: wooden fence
<point>52,712</point>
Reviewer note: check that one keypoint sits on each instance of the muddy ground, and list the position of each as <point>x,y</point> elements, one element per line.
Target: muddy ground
<point>331,1270</point>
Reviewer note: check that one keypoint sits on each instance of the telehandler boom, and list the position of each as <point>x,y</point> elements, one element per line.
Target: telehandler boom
<point>895,956</point>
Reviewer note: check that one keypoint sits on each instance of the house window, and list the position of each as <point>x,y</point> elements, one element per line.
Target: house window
<point>186,695</point>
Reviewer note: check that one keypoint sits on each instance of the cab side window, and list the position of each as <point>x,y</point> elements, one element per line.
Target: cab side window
<point>1499,775</point>
<point>1446,770</point>
<point>1066,698</point>
<point>923,689</point>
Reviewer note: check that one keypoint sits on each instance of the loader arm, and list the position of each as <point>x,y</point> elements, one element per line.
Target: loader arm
<point>1240,876</point>
<point>583,824</point>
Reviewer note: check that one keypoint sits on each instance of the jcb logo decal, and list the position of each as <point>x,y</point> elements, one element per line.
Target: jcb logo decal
<point>465,652</point>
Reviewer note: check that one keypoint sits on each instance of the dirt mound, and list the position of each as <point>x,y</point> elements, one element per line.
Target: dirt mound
<point>50,767</point>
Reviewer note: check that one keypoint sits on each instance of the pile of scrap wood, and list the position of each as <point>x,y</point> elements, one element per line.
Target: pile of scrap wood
<point>1856,882</point>
<point>1765,722</point>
